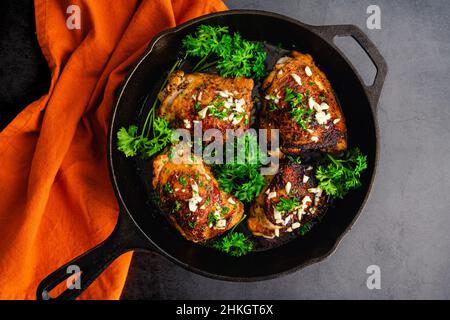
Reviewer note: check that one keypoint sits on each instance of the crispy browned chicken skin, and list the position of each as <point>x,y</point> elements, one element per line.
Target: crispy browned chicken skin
<point>219,103</point>
<point>191,198</point>
<point>293,181</point>
<point>324,125</point>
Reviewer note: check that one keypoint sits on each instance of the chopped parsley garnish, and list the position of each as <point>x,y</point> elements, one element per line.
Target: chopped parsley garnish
<point>272,107</point>
<point>296,160</point>
<point>219,114</point>
<point>299,111</point>
<point>177,206</point>
<point>183,181</point>
<point>208,200</point>
<point>192,224</point>
<point>212,219</point>
<point>302,116</point>
<point>294,98</point>
<point>287,204</point>
<point>197,106</point>
<point>168,188</point>
<point>341,175</point>
<point>225,210</point>
<point>216,109</point>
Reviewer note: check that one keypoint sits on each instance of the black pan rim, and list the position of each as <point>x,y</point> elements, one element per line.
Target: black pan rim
<point>155,248</point>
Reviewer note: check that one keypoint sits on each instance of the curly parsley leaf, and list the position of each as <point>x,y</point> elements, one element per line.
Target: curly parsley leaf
<point>287,204</point>
<point>341,175</point>
<point>205,40</point>
<point>131,144</point>
<point>243,177</point>
<point>243,180</point>
<point>305,228</point>
<point>235,244</point>
<point>230,53</point>
<point>127,142</point>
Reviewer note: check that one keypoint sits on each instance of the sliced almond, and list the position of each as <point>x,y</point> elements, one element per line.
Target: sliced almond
<point>202,113</point>
<point>288,187</point>
<point>308,71</point>
<point>311,102</point>
<point>272,195</point>
<point>221,224</point>
<point>286,221</point>
<point>306,199</point>
<point>297,78</point>
<point>322,117</point>
<point>276,215</point>
<point>324,106</point>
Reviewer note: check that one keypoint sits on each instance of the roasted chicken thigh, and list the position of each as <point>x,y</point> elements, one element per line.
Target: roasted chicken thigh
<point>298,100</point>
<point>190,196</point>
<point>219,103</point>
<point>291,199</point>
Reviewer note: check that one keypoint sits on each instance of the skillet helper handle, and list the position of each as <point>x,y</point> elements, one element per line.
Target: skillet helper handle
<point>78,274</point>
<point>330,32</point>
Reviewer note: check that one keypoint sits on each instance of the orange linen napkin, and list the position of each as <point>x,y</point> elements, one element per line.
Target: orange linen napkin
<point>56,199</point>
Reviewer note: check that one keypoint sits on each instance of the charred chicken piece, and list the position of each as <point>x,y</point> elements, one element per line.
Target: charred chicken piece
<point>299,101</point>
<point>291,199</point>
<point>219,103</point>
<point>191,198</point>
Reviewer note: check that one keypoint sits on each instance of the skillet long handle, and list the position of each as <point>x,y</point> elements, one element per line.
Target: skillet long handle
<point>330,32</point>
<point>79,273</point>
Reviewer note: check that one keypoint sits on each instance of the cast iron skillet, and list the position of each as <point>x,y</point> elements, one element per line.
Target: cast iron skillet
<point>141,226</point>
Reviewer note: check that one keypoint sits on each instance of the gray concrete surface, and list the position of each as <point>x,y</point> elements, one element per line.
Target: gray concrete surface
<point>405,226</point>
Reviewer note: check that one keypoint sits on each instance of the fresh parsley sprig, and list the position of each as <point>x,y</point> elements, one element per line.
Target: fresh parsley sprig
<point>234,243</point>
<point>230,53</point>
<point>243,178</point>
<point>341,175</point>
<point>132,144</point>
<point>155,135</point>
<point>305,228</point>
